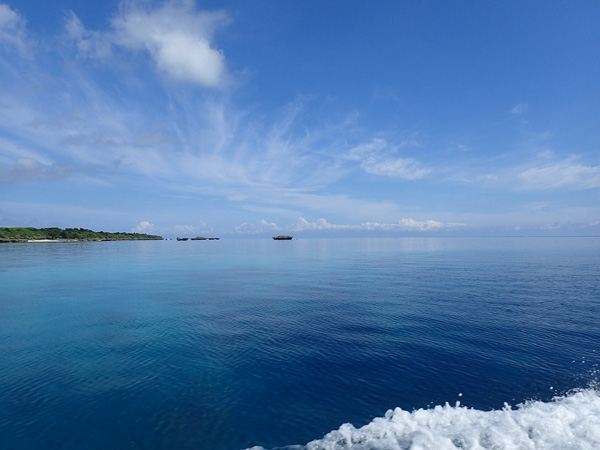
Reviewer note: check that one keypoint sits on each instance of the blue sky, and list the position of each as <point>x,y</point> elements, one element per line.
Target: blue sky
<point>238,118</point>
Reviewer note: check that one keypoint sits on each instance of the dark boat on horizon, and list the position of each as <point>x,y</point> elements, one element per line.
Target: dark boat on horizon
<point>283,238</point>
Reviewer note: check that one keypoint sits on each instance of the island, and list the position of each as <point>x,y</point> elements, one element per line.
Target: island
<point>54,234</point>
<point>283,238</point>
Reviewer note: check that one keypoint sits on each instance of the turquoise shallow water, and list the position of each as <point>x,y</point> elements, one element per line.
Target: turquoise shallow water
<point>235,343</point>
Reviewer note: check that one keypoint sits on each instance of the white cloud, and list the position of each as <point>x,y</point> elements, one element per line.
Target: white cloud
<point>199,147</point>
<point>93,44</point>
<point>376,145</point>
<point>319,224</point>
<point>543,173</point>
<point>184,229</point>
<point>174,230</point>
<point>144,227</point>
<point>182,140</point>
<point>12,28</point>
<point>405,168</point>
<point>401,225</point>
<point>377,158</point>
<point>538,206</point>
<point>177,37</point>
<point>519,109</point>
<point>551,226</point>
<point>562,174</point>
<point>261,227</point>
<point>28,169</point>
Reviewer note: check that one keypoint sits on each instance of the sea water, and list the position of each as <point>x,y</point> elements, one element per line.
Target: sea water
<point>311,343</point>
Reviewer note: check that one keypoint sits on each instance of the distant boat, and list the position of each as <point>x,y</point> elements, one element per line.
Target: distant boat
<point>182,239</point>
<point>283,238</point>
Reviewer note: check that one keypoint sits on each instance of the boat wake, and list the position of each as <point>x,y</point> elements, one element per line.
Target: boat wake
<point>568,422</point>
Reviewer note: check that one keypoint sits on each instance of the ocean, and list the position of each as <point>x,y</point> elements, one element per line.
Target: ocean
<point>373,343</point>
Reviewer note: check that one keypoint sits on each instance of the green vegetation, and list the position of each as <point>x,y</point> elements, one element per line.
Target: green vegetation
<point>18,234</point>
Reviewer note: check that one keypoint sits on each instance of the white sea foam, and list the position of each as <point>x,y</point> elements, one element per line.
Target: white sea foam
<point>569,422</point>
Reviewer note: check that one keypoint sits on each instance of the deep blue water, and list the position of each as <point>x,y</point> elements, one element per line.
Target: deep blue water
<point>238,343</point>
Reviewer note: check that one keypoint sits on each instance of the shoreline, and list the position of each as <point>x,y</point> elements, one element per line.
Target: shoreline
<point>36,241</point>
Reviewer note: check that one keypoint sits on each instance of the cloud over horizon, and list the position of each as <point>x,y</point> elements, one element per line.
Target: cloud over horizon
<point>401,225</point>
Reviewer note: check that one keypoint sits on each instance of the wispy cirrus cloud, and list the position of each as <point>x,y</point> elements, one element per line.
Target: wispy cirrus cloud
<point>89,43</point>
<point>545,171</point>
<point>29,169</point>
<point>198,146</point>
<point>560,174</point>
<point>13,32</point>
<point>378,157</point>
<point>519,109</point>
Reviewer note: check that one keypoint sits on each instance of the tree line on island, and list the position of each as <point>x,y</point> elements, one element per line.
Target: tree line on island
<point>28,234</point>
<point>20,234</point>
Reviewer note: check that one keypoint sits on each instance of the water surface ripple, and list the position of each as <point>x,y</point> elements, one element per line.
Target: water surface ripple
<point>232,344</point>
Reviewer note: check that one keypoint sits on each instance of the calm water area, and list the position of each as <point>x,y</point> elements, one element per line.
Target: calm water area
<point>238,343</point>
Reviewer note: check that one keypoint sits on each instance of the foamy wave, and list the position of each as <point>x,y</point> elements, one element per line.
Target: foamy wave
<point>570,422</point>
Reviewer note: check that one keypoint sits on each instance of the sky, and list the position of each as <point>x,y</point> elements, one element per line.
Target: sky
<point>312,118</point>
